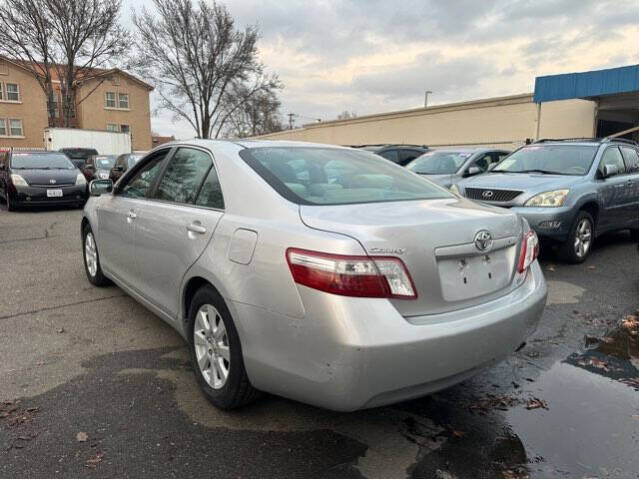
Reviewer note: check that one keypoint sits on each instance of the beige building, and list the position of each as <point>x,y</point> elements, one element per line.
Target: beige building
<point>563,106</point>
<point>115,101</point>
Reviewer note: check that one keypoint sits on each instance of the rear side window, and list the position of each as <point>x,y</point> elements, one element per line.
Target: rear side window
<point>184,176</point>
<point>631,158</point>
<point>331,176</point>
<point>392,155</point>
<point>211,192</point>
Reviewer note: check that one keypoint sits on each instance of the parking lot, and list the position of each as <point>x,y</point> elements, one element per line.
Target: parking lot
<point>92,384</point>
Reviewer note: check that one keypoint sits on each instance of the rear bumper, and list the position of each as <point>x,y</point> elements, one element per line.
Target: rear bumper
<point>353,353</point>
<point>37,196</point>
<point>552,223</point>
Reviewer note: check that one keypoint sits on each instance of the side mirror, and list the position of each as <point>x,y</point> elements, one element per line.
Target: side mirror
<point>474,170</point>
<point>98,187</point>
<point>610,170</point>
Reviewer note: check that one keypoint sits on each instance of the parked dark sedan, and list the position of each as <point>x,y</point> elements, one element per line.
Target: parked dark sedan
<point>98,167</point>
<point>123,163</point>
<point>79,156</point>
<point>399,154</point>
<point>40,178</point>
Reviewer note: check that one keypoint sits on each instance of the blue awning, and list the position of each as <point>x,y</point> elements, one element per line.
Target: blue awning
<point>587,84</point>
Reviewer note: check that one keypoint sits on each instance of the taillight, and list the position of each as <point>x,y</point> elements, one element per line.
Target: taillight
<point>529,251</point>
<point>352,276</point>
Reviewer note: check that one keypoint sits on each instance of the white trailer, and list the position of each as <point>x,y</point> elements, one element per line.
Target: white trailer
<point>106,143</point>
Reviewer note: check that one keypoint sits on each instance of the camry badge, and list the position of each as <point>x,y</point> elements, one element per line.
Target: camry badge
<point>388,251</point>
<point>483,240</point>
<point>52,180</point>
<point>487,194</point>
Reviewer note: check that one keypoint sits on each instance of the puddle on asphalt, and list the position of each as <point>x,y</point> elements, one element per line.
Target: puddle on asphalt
<point>589,428</point>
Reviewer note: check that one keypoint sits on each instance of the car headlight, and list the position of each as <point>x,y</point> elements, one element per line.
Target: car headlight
<point>80,180</point>
<point>556,198</point>
<point>18,181</point>
<point>453,188</point>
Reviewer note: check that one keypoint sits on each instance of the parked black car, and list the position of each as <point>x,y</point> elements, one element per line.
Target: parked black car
<point>98,167</point>
<point>123,163</point>
<point>37,178</point>
<point>399,154</point>
<point>79,156</point>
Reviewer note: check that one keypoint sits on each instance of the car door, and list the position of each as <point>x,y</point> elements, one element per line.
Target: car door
<point>176,225</point>
<point>613,191</point>
<point>117,214</point>
<point>631,159</point>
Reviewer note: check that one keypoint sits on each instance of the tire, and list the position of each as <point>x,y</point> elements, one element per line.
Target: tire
<point>634,233</point>
<point>580,239</point>
<point>216,352</point>
<point>10,205</point>
<point>92,266</point>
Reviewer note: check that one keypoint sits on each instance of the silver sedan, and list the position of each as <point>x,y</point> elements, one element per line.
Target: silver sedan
<point>322,274</point>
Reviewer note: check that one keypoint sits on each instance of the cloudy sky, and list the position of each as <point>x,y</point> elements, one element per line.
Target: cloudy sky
<point>371,56</point>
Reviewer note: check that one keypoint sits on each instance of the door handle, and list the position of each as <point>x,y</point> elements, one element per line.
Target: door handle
<point>131,216</point>
<point>196,227</point>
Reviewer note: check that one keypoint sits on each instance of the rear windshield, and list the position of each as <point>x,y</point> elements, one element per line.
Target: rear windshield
<point>550,159</point>
<point>330,176</point>
<point>438,163</point>
<point>41,161</point>
<point>80,153</point>
<point>104,162</point>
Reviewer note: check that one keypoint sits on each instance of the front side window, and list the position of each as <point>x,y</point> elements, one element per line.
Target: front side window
<point>124,100</point>
<point>184,176</point>
<point>439,163</point>
<point>13,92</point>
<point>392,155</point>
<point>483,162</point>
<point>550,159</point>
<point>332,176</point>
<point>139,185</point>
<point>612,156</point>
<point>45,160</point>
<point>110,100</point>
<point>15,127</point>
<point>3,127</point>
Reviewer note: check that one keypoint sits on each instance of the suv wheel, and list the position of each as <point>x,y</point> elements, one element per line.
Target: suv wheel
<point>216,352</point>
<point>577,248</point>
<point>92,258</point>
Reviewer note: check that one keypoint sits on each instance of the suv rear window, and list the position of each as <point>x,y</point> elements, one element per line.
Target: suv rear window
<point>331,176</point>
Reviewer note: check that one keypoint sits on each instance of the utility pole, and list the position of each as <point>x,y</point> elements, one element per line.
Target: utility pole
<point>290,120</point>
<point>428,92</point>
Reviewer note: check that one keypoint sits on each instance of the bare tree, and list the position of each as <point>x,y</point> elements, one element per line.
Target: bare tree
<point>204,68</point>
<point>70,37</point>
<point>346,115</point>
<point>258,115</point>
<point>26,36</point>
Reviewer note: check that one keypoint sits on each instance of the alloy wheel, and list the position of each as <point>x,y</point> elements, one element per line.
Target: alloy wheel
<point>91,254</point>
<point>583,238</point>
<point>212,349</point>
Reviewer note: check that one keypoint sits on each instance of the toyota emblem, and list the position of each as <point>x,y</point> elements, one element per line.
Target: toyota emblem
<point>52,180</point>
<point>483,240</point>
<point>488,194</point>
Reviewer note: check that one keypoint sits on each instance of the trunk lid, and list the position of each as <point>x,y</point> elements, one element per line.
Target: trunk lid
<point>436,241</point>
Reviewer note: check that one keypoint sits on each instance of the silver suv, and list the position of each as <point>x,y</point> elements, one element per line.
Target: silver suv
<point>324,274</point>
<point>570,191</point>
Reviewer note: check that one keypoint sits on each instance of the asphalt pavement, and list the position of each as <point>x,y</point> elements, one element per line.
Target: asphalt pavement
<point>94,385</point>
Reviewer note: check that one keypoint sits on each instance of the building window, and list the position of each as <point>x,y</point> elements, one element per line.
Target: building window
<point>15,128</point>
<point>13,92</point>
<point>124,100</point>
<point>3,127</point>
<point>4,68</point>
<point>112,127</point>
<point>110,100</point>
<point>1,91</point>
<point>125,128</point>
<point>55,105</point>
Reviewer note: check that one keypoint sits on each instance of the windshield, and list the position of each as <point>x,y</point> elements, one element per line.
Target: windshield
<point>329,176</point>
<point>550,159</point>
<point>41,161</point>
<point>438,163</point>
<point>105,162</point>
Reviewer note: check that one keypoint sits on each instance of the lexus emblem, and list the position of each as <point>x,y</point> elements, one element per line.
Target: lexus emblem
<point>52,180</point>
<point>483,240</point>
<point>487,194</point>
